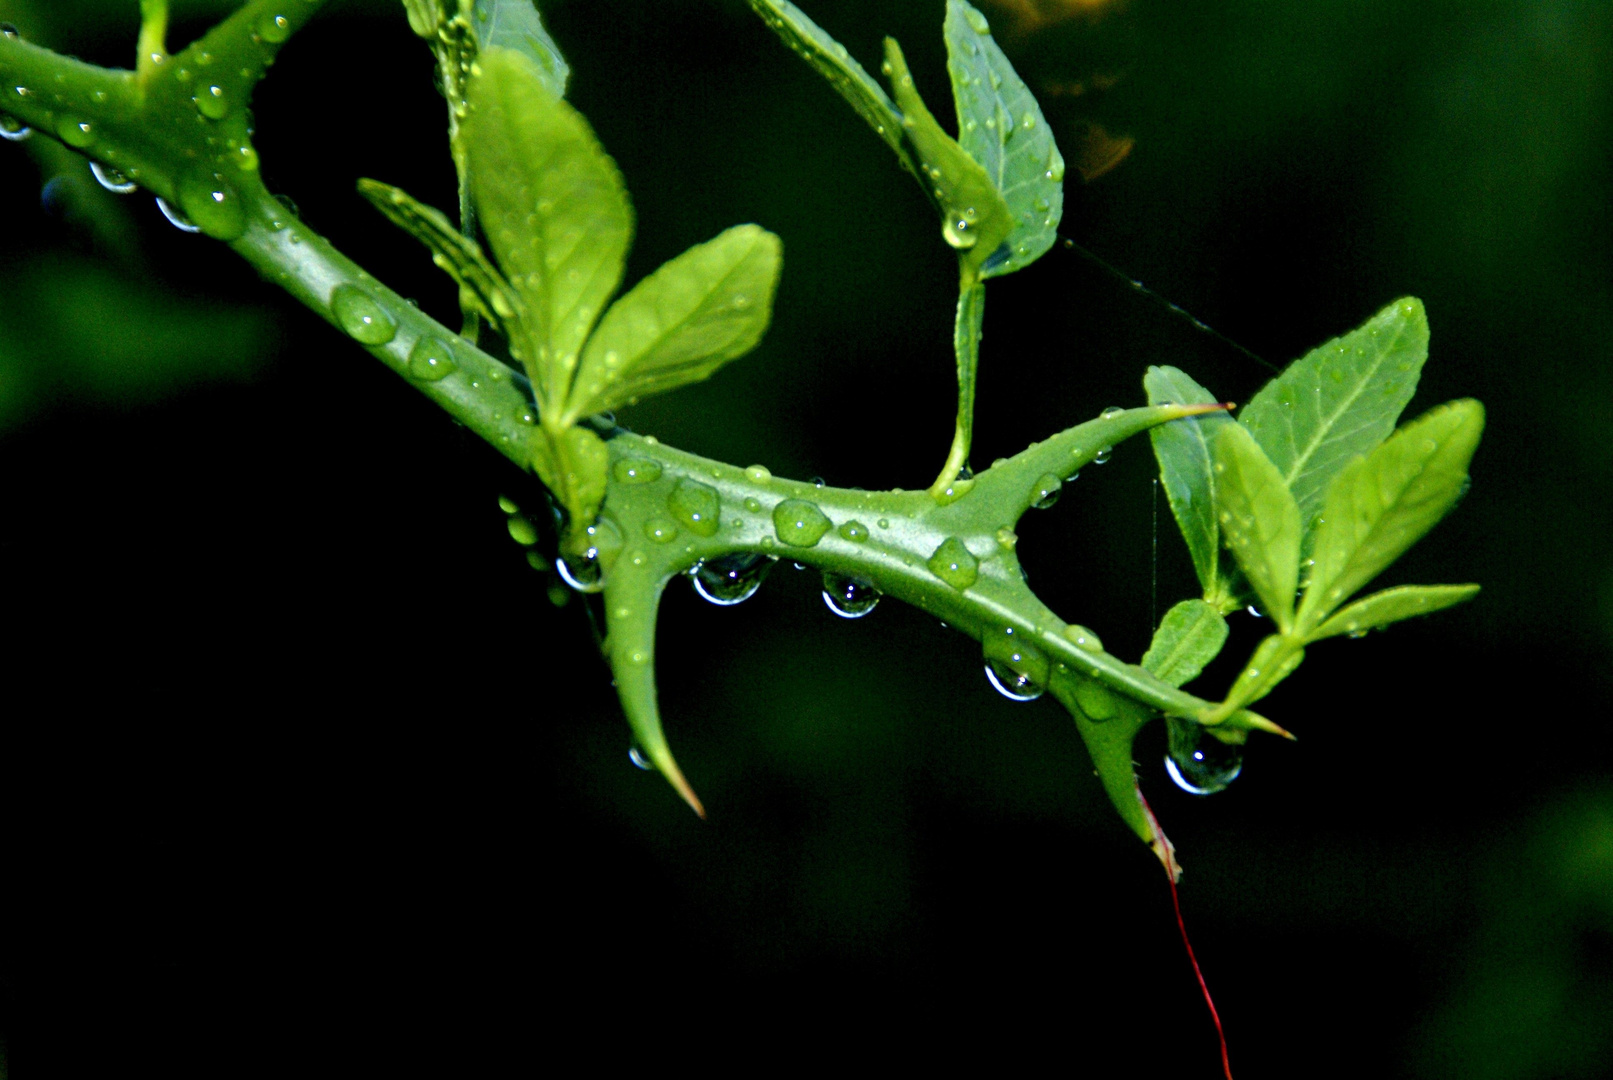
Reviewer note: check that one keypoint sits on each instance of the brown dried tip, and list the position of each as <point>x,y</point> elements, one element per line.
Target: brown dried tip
<point>1163,849</point>
<point>675,777</point>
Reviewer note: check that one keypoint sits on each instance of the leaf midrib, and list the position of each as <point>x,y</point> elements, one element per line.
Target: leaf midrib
<point>1323,430</point>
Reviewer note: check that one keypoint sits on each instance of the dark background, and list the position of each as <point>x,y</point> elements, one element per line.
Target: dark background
<point>309,774</point>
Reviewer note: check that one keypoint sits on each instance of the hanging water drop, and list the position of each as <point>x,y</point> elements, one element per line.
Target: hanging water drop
<point>214,205</point>
<point>640,759</point>
<point>1018,671</point>
<point>1111,412</point>
<point>731,579</point>
<point>849,597</point>
<point>111,179</point>
<point>1198,762</point>
<point>1046,491</point>
<point>12,129</point>
<point>7,30</point>
<point>175,218</point>
<point>1102,456</point>
<point>360,317</point>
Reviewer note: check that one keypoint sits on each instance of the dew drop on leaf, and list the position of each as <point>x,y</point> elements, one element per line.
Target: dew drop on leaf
<point>636,471</point>
<point>640,759</point>
<point>360,317</point>
<point>1046,491</point>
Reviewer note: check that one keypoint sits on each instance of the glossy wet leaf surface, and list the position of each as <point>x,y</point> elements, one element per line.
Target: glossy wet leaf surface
<point>697,312</point>
<point>1186,468</point>
<point>516,25</point>
<point>1259,520</point>
<point>974,217</point>
<point>1190,636</point>
<point>1001,126</point>
<point>1339,401</point>
<point>553,207</point>
<point>830,59</point>
<point>1382,504</point>
<point>1391,606</point>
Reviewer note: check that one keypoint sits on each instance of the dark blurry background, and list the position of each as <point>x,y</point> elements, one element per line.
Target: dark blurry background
<point>310,775</point>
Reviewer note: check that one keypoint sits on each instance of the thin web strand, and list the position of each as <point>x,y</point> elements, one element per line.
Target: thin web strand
<point>1174,309</point>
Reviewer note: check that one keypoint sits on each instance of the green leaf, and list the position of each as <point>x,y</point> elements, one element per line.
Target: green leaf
<point>830,59</point>
<point>1274,659</point>
<point>974,217</point>
<point>1392,605</point>
<point>1190,636</point>
<point>516,25</point>
<point>1259,520</point>
<point>553,207</point>
<point>1383,503</point>
<point>423,17</point>
<point>482,288</point>
<point>1186,468</point>
<point>1001,126</point>
<point>1339,402</point>
<point>697,312</point>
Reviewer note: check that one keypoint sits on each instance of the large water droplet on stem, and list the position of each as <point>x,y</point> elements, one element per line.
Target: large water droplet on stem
<point>13,130</point>
<point>111,179</point>
<point>1200,763</point>
<point>731,579</point>
<point>799,523</point>
<point>849,597</point>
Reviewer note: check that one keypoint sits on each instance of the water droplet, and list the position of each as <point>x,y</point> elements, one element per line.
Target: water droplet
<point>1011,684</point>
<point>1027,122</point>
<point>731,579</point>
<point>799,523</point>
<point>508,505</point>
<point>849,597</point>
<point>1256,612</point>
<point>1055,166</point>
<point>753,505</point>
<point>1200,763</point>
<point>1111,412</point>
<point>360,317</point>
<point>955,490</point>
<point>521,530</point>
<point>1083,638</point>
<point>274,28</point>
<point>855,531</point>
<point>175,218</point>
<point>884,523</point>
<point>245,157</point>
<point>660,530</point>
<point>214,205</point>
<point>111,179</point>
<point>696,505</point>
<point>431,359</point>
<point>1046,491</point>
<point>7,30</point>
<point>1007,538</point>
<point>640,759</point>
<point>953,564</point>
<point>13,130</point>
<point>636,471</point>
<point>211,102</point>
<point>758,474</point>
<point>1102,456</point>
<point>75,132</point>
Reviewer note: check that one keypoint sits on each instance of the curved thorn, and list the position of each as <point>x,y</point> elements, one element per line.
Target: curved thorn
<point>632,599</point>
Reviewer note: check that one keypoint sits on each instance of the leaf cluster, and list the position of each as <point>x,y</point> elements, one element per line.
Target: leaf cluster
<point>1309,495</point>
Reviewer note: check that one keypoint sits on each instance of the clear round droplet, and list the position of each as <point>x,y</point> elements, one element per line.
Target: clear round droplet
<point>1102,456</point>
<point>13,130</point>
<point>799,523</point>
<point>580,573</point>
<point>360,317</point>
<point>1046,492</point>
<point>111,179</point>
<point>431,360</point>
<point>1198,762</point>
<point>1111,412</point>
<point>640,759</point>
<point>175,218</point>
<point>1011,684</point>
<point>731,579</point>
<point>849,597</point>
